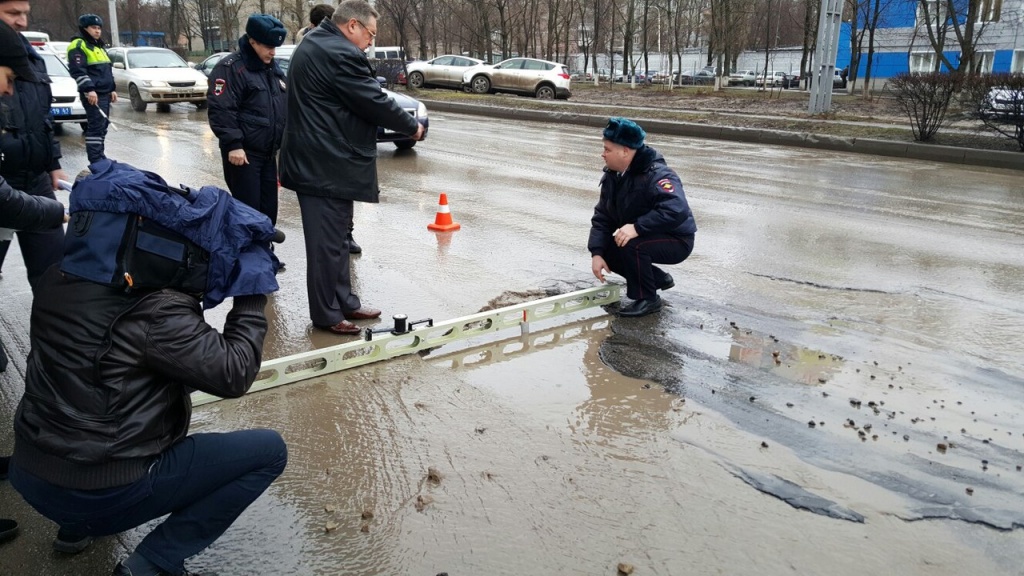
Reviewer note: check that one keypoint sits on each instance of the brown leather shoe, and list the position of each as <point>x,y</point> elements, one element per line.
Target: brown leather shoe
<point>345,328</point>
<point>363,313</point>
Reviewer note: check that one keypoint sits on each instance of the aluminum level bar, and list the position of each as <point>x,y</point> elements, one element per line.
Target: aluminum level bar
<point>317,363</point>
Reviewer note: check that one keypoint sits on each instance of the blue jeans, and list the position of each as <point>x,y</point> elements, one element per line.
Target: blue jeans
<point>204,482</point>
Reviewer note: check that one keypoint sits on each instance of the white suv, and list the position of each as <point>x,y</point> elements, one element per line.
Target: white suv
<point>528,76</point>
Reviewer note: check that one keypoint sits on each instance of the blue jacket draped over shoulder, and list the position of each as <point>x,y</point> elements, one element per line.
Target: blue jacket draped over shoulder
<point>236,236</point>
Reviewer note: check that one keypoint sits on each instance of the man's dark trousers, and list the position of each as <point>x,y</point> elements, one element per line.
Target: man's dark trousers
<point>255,183</point>
<point>635,261</point>
<point>325,226</point>
<point>204,482</point>
<point>42,249</point>
<point>96,126</point>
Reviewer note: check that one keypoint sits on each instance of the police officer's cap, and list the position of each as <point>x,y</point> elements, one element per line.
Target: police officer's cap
<point>266,30</point>
<point>86,20</point>
<point>625,132</point>
<point>13,53</point>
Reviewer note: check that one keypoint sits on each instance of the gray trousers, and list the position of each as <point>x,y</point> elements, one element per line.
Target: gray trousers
<point>325,226</point>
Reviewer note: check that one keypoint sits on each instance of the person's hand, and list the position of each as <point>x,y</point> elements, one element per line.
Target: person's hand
<point>237,157</point>
<point>92,98</point>
<point>113,97</point>
<point>55,177</point>
<point>599,267</point>
<point>419,132</point>
<point>624,235</point>
<point>67,217</point>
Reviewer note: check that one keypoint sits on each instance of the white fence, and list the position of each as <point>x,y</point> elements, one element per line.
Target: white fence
<point>784,60</point>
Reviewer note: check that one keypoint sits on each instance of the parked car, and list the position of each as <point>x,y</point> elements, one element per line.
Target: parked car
<point>1005,103</point>
<point>529,76</point>
<point>778,78</point>
<point>640,78</point>
<point>150,74</point>
<point>58,48</point>
<point>700,78</point>
<point>206,66</point>
<point>36,38</point>
<point>411,105</point>
<point>742,78</point>
<point>838,79</point>
<point>66,105</point>
<point>444,71</point>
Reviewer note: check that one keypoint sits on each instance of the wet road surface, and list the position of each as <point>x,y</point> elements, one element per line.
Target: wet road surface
<point>878,299</point>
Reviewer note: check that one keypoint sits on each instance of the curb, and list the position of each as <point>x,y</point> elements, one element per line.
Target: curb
<point>890,148</point>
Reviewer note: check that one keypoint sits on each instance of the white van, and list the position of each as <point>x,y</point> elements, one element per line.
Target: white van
<point>36,38</point>
<point>386,52</point>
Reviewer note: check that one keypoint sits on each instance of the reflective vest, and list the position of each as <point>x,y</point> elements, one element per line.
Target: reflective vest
<point>90,66</point>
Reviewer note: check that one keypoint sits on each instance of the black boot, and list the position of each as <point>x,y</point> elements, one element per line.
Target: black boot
<point>641,308</point>
<point>353,248</point>
<point>8,529</point>
<point>71,543</point>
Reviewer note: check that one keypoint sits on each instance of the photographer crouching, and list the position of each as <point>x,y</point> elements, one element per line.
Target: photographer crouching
<point>118,342</point>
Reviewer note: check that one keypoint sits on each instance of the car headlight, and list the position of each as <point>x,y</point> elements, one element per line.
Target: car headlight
<point>204,84</point>
<point>154,83</point>
<point>421,111</point>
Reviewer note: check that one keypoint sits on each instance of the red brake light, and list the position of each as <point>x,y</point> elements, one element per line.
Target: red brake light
<point>564,76</point>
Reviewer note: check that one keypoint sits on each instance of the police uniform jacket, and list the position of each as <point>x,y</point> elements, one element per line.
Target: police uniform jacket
<point>109,374</point>
<point>335,105</point>
<point>648,195</point>
<point>90,66</point>
<point>247,102</point>
<point>27,143</point>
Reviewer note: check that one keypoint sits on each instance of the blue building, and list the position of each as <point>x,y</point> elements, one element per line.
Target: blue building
<point>902,43</point>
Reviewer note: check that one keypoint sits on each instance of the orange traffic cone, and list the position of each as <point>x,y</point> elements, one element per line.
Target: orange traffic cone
<point>443,220</point>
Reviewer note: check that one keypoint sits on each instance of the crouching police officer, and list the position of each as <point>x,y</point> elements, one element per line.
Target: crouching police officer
<point>247,103</point>
<point>90,67</point>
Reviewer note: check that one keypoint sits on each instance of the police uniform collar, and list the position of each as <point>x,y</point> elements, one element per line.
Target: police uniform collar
<point>643,159</point>
<point>249,57</point>
<point>87,38</point>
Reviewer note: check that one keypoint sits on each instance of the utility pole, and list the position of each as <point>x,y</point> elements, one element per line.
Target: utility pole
<point>115,36</point>
<point>824,68</point>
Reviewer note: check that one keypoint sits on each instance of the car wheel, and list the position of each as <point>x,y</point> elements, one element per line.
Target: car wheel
<point>162,107</point>
<point>138,104</point>
<point>201,105</point>
<point>481,85</point>
<point>416,80</point>
<point>58,129</point>
<point>545,92</point>
<point>404,144</point>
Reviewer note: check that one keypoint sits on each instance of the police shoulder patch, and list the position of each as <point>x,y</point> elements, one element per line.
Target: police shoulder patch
<point>666,185</point>
<point>218,86</point>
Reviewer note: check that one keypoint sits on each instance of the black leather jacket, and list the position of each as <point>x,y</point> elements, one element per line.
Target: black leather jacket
<point>109,376</point>
<point>334,107</point>
<point>247,101</point>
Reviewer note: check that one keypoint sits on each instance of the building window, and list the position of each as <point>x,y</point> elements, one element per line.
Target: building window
<point>923,62</point>
<point>1017,66</point>
<point>990,10</point>
<point>936,12</point>
<point>985,61</point>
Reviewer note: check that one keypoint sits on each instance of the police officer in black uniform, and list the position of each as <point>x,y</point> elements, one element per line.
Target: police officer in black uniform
<point>642,218</point>
<point>247,107</point>
<point>31,154</point>
<point>91,68</point>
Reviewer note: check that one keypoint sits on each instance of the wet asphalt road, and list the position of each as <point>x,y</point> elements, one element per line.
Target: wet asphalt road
<point>879,299</point>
